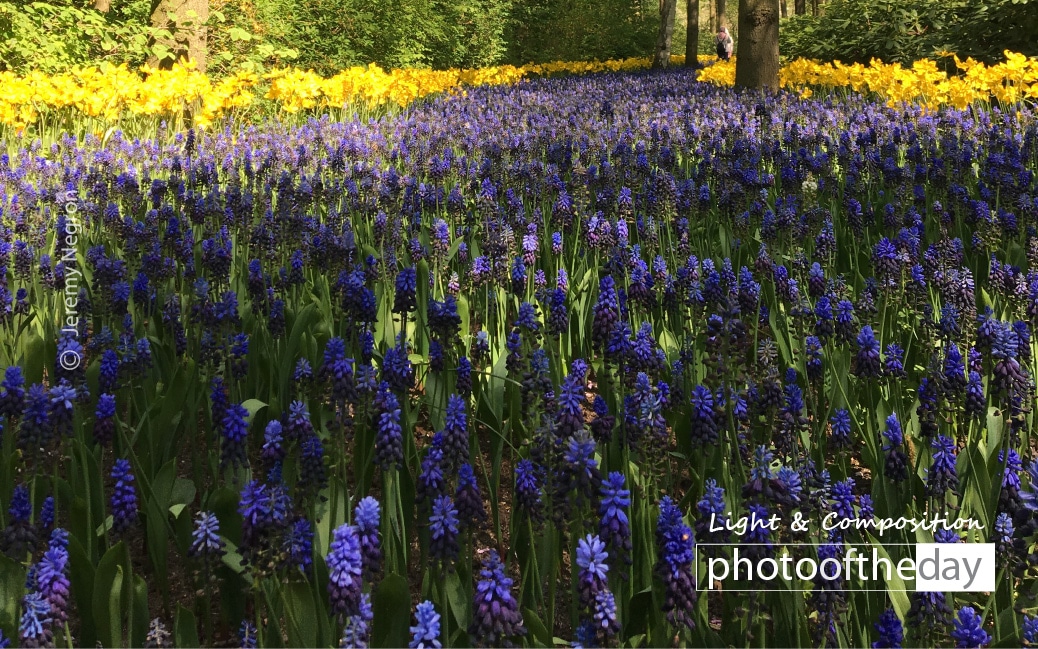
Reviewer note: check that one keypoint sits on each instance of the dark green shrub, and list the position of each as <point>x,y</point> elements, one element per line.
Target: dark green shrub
<point>906,30</point>
<point>581,30</point>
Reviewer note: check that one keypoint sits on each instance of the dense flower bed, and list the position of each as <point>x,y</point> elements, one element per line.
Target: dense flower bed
<point>1006,83</point>
<point>495,364</point>
<point>110,94</point>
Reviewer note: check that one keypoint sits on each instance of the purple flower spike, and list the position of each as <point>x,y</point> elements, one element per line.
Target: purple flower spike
<point>345,565</point>
<point>496,617</point>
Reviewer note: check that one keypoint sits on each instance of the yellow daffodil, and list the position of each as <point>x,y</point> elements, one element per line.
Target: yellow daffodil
<point>107,93</point>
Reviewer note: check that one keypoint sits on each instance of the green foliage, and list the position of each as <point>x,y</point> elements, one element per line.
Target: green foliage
<point>906,30</point>
<point>984,30</point>
<point>257,34</point>
<point>391,33</point>
<point>236,41</point>
<point>473,34</point>
<point>52,36</point>
<point>581,30</point>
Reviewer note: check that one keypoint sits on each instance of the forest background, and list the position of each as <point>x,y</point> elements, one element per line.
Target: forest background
<point>329,35</point>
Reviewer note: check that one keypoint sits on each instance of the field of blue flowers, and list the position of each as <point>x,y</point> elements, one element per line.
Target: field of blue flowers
<point>494,365</point>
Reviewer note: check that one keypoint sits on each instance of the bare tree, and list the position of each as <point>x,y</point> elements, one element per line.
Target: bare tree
<point>692,34</point>
<point>661,58</point>
<point>757,63</point>
<point>185,20</point>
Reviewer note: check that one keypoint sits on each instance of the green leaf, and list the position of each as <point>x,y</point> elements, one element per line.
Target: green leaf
<point>162,484</point>
<point>302,615</point>
<point>114,568</point>
<point>639,610</point>
<point>994,432</point>
<point>185,628</point>
<point>390,605</point>
<point>81,573</point>
<point>32,360</point>
<point>421,338</point>
<point>463,313</point>
<point>139,613</point>
<point>669,342</point>
<point>238,34</point>
<point>158,543</point>
<point>107,525</point>
<point>537,628</point>
<point>12,588</point>
<point>115,609</point>
<point>458,600</point>
<point>224,504</point>
<point>253,406</point>
<point>232,558</point>
<point>183,492</point>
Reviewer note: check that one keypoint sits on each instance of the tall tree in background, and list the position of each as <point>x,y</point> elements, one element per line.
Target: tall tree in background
<point>185,21</point>
<point>692,34</point>
<point>103,5</point>
<point>661,58</point>
<point>800,7</point>
<point>722,8</point>
<point>757,61</point>
<point>785,8</point>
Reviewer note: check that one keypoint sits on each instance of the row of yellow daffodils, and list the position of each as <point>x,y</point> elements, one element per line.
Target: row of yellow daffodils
<point>110,94</point>
<point>923,83</point>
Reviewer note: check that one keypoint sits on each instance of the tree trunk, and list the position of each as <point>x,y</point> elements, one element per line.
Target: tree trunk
<point>662,57</point>
<point>814,7</point>
<point>722,9</point>
<point>757,61</point>
<point>800,7</point>
<point>188,30</point>
<point>692,34</point>
<point>785,8</point>
<point>102,5</point>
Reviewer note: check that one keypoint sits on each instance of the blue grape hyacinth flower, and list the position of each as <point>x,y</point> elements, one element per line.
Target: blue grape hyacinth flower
<point>124,497</point>
<point>206,543</point>
<point>496,618</point>
<point>425,634</point>
<point>346,566</point>
<point>891,633</point>
<point>34,627</point>
<point>1030,629</point>
<point>969,629</point>
<point>367,516</point>
<point>592,577</point>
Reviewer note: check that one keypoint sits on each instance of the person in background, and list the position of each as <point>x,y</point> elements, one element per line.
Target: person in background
<point>725,44</point>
